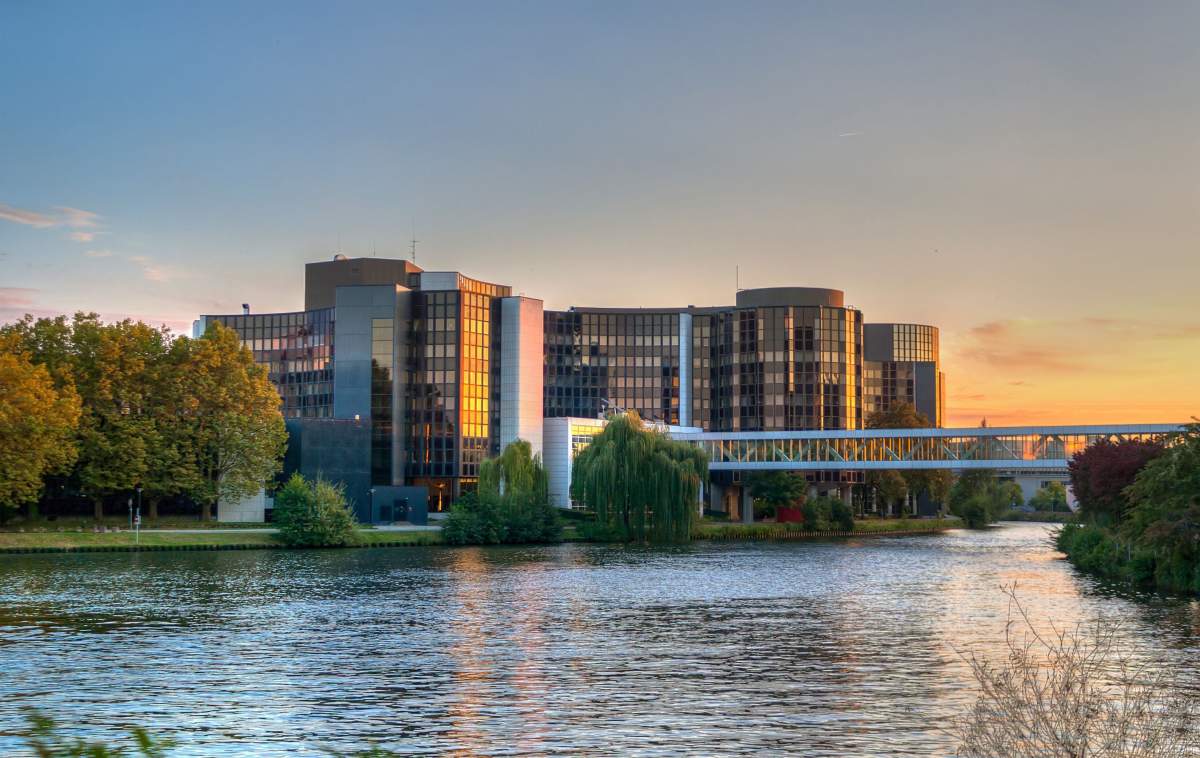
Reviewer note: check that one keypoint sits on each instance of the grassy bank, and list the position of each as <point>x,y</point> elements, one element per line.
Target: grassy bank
<point>1103,552</point>
<point>863,528</point>
<point>1049,517</point>
<point>75,523</point>
<point>90,541</point>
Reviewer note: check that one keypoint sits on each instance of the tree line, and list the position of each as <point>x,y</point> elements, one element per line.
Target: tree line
<point>101,410</point>
<point>1139,511</point>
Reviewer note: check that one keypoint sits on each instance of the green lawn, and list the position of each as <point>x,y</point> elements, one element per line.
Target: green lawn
<point>89,539</point>
<point>73,523</point>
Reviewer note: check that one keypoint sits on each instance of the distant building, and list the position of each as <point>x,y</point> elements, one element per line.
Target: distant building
<point>422,375</point>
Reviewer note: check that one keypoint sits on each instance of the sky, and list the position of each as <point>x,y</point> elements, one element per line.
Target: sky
<point>1026,176</point>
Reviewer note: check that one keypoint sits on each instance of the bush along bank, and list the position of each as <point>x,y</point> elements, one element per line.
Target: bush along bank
<point>1139,512</point>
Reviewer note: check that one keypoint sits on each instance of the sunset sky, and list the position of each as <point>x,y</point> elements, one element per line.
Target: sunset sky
<point>1025,176</point>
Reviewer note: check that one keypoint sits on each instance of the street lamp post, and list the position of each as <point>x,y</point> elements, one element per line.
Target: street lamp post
<point>130,503</point>
<point>371,496</point>
<point>139,502</point>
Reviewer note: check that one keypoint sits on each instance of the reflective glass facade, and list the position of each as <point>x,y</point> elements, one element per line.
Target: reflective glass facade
<point>902,365</point>
<point>598,361</point>
<point>297,351</point>
<point>453,402</point>
<point>382,387</point>
<point>786,367</point>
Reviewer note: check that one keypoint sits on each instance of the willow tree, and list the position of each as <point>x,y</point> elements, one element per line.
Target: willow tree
<point>515,472</point>
<point>640,481</point>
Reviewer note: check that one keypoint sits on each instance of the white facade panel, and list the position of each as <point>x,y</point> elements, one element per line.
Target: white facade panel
<point>521,364</point>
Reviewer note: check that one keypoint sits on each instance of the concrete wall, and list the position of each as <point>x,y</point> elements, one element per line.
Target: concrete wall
<point>521,369</point>
<point>322,279</point>
<point>247,511</point>
<point>556,457</point>
<point>685,369</point>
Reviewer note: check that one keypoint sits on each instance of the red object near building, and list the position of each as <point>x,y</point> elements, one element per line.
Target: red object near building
<point>789,515</point>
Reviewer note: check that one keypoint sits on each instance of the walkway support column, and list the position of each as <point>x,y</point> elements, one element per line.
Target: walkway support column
<point>747,506</point>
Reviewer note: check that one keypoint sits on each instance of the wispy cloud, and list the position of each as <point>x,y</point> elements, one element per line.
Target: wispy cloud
<point>849,134</point>
<point>151,271</point>
<point>16,297</point>
<point>77,218</point>
<point>99,253</point>
<point>74,218</point>
<point>82,236</point>
<point>28,218</point>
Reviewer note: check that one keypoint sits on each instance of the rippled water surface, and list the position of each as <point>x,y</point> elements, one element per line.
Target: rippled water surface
<point>838,648</point>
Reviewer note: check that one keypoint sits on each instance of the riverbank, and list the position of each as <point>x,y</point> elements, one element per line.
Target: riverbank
<point>863,528</point>
<point>84,542</point>
<point>1109,554</point>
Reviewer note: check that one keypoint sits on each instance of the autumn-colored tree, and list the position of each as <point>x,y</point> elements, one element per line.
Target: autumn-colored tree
<point>237,434</point>
<point>1101,472</point>
<point>37,428</point>
<point>112,367</point>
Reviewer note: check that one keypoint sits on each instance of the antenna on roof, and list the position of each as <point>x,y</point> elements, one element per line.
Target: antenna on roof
<point>737,279</point>
<point>412,249</point>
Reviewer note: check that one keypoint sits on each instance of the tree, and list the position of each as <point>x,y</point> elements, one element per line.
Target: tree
<point>889,487</point>
<point>1164,511</point>
<point>1101,472</point>
<point>1052,497</point>
<point>37,428</point>
<point>639,481</point>
<point>237,435</point>
<point>314,514</point>
<point>939,483</point>
<point>111,368</point>
<point>934,483</point>
<point>899,415</point>
<point>778,489</point>
<point>979,498</point>
<point>514,485</point>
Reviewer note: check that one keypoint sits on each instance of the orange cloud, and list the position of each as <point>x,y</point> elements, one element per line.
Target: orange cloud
<point>1094,369</point>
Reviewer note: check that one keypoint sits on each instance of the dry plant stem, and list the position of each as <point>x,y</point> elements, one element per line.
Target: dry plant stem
<point>1074,694</point>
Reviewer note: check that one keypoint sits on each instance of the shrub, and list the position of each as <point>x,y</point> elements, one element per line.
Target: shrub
<point>595,531</point>
<point>842,515</point>
<point>314,514</point>
<point>817,513</point>
<point>975,511</point>
<point>473,522</point>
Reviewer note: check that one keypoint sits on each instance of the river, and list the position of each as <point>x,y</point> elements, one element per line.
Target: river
<point>814,648</point>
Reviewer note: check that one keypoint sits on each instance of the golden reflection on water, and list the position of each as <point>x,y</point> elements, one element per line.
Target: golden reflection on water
<point>472,668</point>
<point>529,679</point>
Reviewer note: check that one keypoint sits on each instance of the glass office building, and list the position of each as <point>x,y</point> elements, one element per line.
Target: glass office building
<point>780,358</point>
<point>603,360</point>
<point>297,351</point>
<point>902,364</point>
<point>435,371</point>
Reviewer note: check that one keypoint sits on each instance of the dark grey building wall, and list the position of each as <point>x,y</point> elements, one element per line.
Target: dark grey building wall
<point>877,342</point>
<point>338,450</point>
